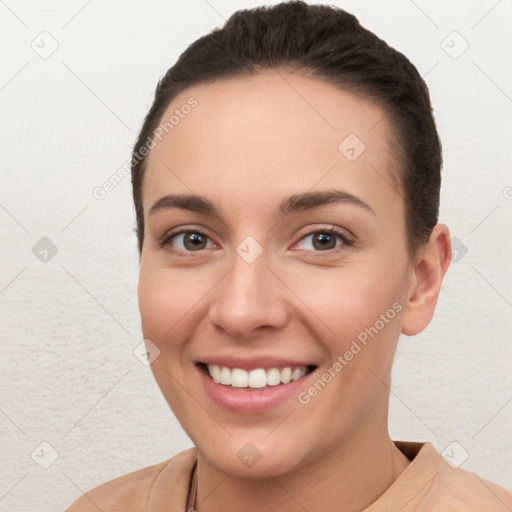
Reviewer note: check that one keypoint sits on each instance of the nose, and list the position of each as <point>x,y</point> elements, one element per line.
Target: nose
<point>249,299</point>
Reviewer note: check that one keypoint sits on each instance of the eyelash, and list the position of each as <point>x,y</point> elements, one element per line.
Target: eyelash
<point>346,240</point>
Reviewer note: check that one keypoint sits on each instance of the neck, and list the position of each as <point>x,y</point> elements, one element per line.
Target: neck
<point>349,477</point>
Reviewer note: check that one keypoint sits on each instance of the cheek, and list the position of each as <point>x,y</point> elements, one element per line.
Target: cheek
<point>165,299</point>
<point>349,300</point>
<point>361,307</point>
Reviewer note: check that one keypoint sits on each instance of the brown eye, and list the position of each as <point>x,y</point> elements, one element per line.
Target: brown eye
<point>186,241</point>
<point>194,241</point>
<point>325,240</point>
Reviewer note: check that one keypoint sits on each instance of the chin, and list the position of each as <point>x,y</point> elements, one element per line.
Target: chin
<point>250,461</point>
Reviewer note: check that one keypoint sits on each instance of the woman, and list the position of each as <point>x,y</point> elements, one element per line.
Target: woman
<point>286,185</point>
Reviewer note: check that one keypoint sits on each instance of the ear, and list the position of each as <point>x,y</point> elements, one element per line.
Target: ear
<point>426,275</point>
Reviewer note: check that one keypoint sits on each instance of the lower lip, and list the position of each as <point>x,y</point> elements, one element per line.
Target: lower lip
<point>244,400</point>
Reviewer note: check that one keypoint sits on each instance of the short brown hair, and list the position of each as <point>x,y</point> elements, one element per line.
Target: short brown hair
<point>329,44</point>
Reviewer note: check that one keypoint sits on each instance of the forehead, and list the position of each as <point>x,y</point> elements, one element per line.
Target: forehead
<point>258,134</point>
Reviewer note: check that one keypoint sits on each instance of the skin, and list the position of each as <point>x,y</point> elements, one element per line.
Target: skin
<point>248,143</point>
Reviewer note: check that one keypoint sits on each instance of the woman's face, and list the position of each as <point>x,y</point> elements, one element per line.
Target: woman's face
<point>262,280</point>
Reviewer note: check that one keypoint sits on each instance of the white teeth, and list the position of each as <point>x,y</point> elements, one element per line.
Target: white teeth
<point>214,372</point>
<point>298,373</point>
<point>239,378</point>
<point>286,375</point>
<point>273,377</point>
<point>225,376</point>
<point>257,378</point>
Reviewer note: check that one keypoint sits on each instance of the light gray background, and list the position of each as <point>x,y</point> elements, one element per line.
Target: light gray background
<point>68,375</point>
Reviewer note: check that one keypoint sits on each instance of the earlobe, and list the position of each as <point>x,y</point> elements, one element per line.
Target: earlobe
<point>426,278</point>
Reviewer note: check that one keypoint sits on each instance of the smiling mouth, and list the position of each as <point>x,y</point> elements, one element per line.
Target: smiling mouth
<point>257,378</point>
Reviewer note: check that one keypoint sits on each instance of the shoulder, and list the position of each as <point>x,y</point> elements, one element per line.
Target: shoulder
<point>134,490</point>
<point>437,485</point>
<point>462,490</point>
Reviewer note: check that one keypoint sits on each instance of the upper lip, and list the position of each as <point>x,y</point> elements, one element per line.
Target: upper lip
<point>252,363</point>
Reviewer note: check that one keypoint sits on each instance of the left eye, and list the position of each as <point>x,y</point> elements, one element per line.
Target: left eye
<point>191,241</point>
<point>324,240</point>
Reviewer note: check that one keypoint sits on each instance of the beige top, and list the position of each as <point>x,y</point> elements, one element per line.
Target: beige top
<point>428,484</point>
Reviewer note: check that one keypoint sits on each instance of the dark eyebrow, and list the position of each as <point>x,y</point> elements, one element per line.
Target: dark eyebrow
<point>308,200</point>
<point>293,203</point>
